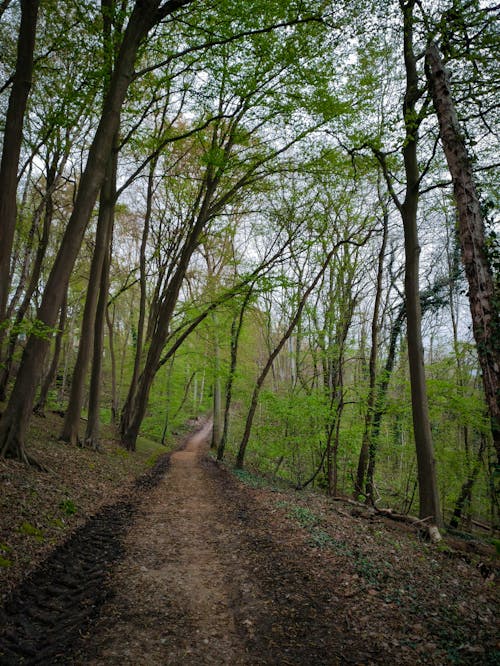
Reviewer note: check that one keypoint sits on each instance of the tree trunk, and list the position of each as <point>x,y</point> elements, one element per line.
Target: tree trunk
<point>261,378</point>
<point>236,327</point>
<point>71,426</point>
<point>114,392</point>
<point>35,275</point>
<point>93,418</point>
<point>12,140</point>
<point>50,376</point>
<point>217,391</point>
<point>16,417</point>
<point>142,280</point>
<point>466,490</point>
<point>137,397</point>
<point>428,492</point>
<point>368,444</point>
<point>484,302</point>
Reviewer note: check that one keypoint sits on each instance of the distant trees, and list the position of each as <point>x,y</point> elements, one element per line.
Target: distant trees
<point>239,211</point>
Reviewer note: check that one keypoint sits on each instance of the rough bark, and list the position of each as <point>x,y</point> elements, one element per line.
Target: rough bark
<point>12,140</point>
<point>70,430</point>
<point>484,302</point>
<point>16,417</point>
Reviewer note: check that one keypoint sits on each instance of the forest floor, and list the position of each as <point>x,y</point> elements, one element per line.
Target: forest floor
<point>189,564</point>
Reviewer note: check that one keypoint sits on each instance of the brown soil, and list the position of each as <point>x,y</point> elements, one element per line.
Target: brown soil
<point>195,567</point>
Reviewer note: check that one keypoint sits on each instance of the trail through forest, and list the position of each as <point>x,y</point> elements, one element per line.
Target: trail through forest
<point>189,590</point>
<point>193,567</point>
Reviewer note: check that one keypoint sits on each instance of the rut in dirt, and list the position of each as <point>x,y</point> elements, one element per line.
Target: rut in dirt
<point>48,611</point>
<point>188,572</point>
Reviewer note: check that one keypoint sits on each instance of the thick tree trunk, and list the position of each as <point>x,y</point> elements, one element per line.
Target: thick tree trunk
<point>71,426</point>
<point>12,140</point>
<point>16,417</point>
<point>484,302</point>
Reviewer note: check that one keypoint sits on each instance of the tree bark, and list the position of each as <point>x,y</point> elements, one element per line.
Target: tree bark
<point>71,426</point>
<point>16,417</point>
<point>367,446</point>
<point>12,140</point>
<point>50,376</point>
<point>93,418</point>
<point>35,274</point>
<point>484,302</point>
<point>428,492</point>
<point>236,326</point>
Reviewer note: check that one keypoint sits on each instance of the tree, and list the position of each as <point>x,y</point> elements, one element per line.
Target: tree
<point>483,297</point>
<point>412,118</point>
<point>13,135</point>
<point>145,14</point>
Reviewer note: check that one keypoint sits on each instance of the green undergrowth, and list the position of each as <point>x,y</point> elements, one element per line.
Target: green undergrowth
<point>258,481</point>
<point>374,573</point>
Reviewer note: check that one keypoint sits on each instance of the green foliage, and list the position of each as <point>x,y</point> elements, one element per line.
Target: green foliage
<point>4,551</point>
<point>30,530</point>
<point>68,507</point>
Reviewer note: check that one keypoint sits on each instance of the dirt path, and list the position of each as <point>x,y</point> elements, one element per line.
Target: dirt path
<point>193,567</point>
<point>174,603</point>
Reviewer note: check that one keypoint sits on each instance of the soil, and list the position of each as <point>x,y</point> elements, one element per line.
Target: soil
<point>192,565</point>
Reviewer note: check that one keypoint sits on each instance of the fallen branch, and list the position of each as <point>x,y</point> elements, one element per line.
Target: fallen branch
<point>429,529</point>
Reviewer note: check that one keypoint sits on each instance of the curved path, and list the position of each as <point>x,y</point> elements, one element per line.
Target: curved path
<point>174,600</point>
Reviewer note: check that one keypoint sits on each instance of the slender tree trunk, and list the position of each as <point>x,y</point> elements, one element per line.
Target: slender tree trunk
<point>93,417</point>
<point>262,377</point>
<point>484,302</point>
<point>137,397</point>
<point>34,279</point>
<point>142,280</point>
<point>217,391</point>
<point>428,491</point>
<point>51,374</point>
<point>466,490</point>
<point>16,417</point>
<point>236,327</point>
<point>367,444</point>
<point>114,392</point>
<point>12,140</point>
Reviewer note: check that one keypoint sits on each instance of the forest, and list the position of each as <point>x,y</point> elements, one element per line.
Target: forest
<point>279,215</point>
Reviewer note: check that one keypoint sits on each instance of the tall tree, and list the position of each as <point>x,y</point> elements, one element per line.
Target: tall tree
<point>408,207</point>
<point>145,14</point>
<point>483,298</point>
<point>12,141</point>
